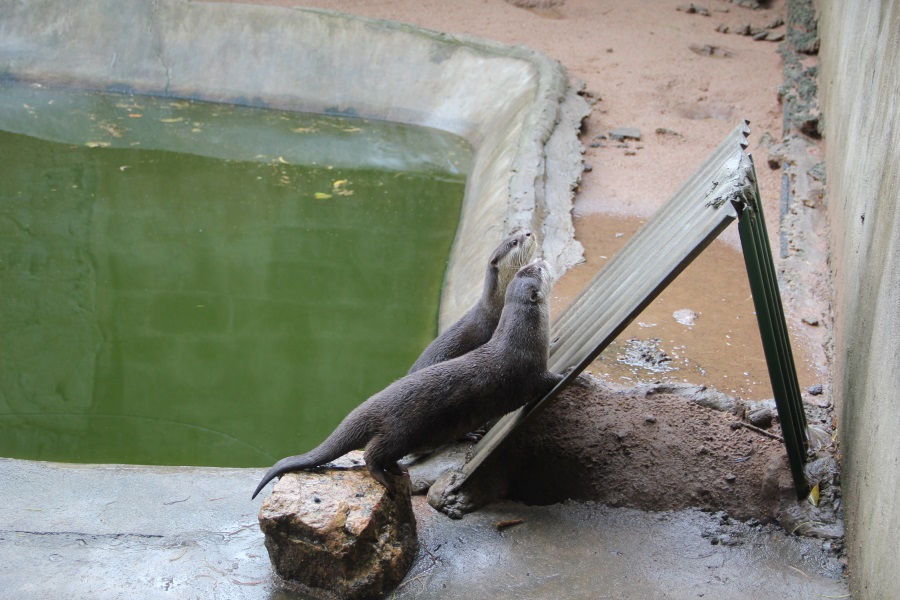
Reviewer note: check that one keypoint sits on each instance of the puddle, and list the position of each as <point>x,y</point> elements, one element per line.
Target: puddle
<point>702,329</point>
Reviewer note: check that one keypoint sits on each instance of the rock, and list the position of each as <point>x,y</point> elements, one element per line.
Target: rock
<point>693,9</point>
<point>815,390</point>
<point>625,133</point>
<point>761,418</point>
<point>424,471</point>
<point>709,50</point>
<point>667,132</point>
<point>698,394</point>
<point>336,533</point>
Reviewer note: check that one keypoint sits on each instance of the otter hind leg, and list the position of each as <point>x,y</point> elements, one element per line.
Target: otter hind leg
<point>380,465</point>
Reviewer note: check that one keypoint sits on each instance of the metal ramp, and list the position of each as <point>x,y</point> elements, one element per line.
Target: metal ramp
<point>723,189</point>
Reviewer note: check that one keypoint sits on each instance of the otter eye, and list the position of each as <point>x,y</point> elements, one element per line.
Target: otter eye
<point>515,242</point>
<point>534,296</point>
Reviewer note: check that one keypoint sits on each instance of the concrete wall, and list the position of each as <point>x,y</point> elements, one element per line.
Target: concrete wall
<point>860,77</point>
<point>516,107</point>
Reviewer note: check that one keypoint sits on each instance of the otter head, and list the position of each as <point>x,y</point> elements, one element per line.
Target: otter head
<point>509,257</point>
<point>532,283</point>
<point>526,310</point>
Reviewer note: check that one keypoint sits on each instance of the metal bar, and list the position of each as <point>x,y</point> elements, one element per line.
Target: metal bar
<point>776,342</point>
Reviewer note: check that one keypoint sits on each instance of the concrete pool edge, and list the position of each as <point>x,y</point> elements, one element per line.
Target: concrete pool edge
<point>515,106</point>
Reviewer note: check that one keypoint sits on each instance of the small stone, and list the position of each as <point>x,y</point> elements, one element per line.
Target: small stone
<point>337,532</point>
<point>588,168</point>
<point>630,153</point>
<point>667,132</point>
<point>774,37</point>
<point>730,478</point>
<point>625,133</point>
<point>702,450</point>
<point>811,321</point>
<point>760,36</point>
<point>693,9</point>
<point>709,50</point>
<point>775,22</point>
<point>815,390</point>
<point>649,419</point>
<point>761,418</point>
<point>722,28</point>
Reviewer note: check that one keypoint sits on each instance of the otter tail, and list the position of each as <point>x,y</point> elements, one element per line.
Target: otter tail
<point>351,434</point>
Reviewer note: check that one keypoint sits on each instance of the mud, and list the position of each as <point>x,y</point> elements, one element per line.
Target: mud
<point>646,447</point>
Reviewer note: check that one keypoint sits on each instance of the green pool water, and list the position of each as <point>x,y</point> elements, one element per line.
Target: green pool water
<point>196,284</point>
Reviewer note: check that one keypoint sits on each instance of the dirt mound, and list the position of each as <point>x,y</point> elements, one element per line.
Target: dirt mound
<point>652,448</point>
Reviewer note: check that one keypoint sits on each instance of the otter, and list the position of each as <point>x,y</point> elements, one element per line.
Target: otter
<point>478,324</point>
<point>439,403</point>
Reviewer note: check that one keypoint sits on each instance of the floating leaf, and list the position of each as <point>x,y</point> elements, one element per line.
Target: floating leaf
<point>351,129</point>
<point>97,144</point>
<point>281,160</point>
<point>303,129</point>
<point>322,196</point>
<point>340,187</point>
<point>135,115</point>
<point>172,120</point>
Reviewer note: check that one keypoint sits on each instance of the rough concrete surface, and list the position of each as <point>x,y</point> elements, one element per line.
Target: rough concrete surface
<point>110,532</point>
<point>860,51</point>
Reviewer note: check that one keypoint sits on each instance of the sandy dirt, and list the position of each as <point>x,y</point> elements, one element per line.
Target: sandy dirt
<point>685,86</point>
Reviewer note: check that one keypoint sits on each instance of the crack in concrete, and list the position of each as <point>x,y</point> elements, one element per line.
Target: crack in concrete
<point>84,535</point>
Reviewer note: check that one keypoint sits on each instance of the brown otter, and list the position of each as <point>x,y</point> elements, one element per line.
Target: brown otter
<point>477,326</point>
<point>439,403</point>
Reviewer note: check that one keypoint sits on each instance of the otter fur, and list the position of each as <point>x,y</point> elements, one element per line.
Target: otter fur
<point>478,324</point>
<point>439,403</point>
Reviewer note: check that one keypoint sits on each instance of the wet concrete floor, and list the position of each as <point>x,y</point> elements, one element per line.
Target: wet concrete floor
<point>109,532</point>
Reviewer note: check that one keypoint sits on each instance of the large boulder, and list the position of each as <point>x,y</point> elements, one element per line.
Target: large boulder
<point>337,533</point>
